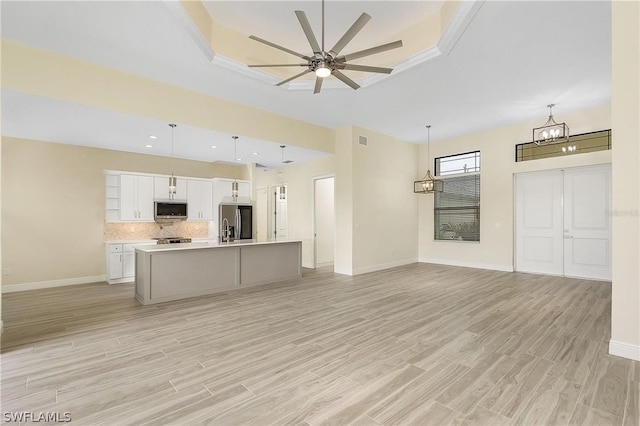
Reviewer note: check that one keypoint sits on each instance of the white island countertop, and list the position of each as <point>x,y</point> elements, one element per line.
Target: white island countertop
<point>196,245</point>
<point>166,272</point>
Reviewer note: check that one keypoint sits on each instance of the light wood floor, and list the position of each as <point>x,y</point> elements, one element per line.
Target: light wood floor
<point>421,344</point>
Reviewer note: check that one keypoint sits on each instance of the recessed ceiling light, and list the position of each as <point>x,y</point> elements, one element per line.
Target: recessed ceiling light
<point>238,159</point>
<point>213,147</point>
<point>148,146</point>
<point>256,153</point>
<point>153,137</point>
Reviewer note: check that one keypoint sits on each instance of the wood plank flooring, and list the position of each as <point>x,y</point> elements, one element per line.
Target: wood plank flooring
<point>421,344</point>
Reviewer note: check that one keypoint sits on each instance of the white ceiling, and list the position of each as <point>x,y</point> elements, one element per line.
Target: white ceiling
<point>513,59</point>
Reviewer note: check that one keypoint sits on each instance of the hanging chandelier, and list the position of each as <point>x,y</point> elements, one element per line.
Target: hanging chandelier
<point>551,132</point>
<point>428,184</point>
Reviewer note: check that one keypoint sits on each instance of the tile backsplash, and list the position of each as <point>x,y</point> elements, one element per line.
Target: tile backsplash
<point>147,230</point>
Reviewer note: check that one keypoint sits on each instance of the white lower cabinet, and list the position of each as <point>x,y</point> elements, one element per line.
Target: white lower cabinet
<point>128,261</point>
<point>121,262</point>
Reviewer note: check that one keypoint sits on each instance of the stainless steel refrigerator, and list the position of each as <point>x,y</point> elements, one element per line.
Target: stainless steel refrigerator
<point>235,222</point>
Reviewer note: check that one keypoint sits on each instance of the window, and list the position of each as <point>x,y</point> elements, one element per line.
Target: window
<point>578,144</point>
<point>457,208</point>
<point>460,163</point>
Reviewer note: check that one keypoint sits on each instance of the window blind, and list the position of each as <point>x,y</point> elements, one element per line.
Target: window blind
<point>457,209</point>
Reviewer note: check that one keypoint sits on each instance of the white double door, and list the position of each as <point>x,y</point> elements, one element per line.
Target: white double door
<point>563,225</point>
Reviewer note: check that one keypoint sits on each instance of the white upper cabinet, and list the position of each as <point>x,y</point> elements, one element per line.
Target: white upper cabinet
<point>200,199</point>
<point>130,196</point>
<point>161,191</point>
<point>136,198</point>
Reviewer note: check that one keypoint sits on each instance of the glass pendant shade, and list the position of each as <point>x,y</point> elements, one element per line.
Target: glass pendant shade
<point>234,189</point>
<point>551,132</point>
<point>173,184</point>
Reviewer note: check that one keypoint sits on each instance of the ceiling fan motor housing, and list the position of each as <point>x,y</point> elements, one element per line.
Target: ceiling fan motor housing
<point>322,60</point>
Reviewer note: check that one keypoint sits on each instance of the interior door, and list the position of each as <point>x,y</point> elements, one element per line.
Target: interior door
<point>281,218</point>
<point>587,224</point>
<point>324,221</point>
<point>563,226</point>
<point>539,244</point>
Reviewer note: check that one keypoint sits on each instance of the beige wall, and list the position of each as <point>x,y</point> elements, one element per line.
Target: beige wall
<point>376,212</point>
<point>625,109</point>
<point>53,205</point>
<point>497,152</point>
<point>344,200</point>
<point>385,210</point>
<point>31,70</point>
<point>299,180</point>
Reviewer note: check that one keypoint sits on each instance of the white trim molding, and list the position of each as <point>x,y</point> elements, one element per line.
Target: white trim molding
<point>477,265</point>
<point>10,288</point>
<point>382,266</point>
<point>184,21</point>
<point>461,19</point>
<point>624,350</point>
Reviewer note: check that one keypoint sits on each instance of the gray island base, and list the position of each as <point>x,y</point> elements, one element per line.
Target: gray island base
<point>178,271</point>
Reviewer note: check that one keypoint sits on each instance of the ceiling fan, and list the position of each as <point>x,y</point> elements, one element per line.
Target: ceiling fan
<point>325,63</point>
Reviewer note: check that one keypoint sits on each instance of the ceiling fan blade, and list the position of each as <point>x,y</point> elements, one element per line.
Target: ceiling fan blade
<point>268,43</point>
<point>350,34</point>
<point>366,68</point>
<point>278,65</point>
<point>293,78</point>
<point>304,23</point>
<point>370,51</point>
<point>346,80</point>
<point>318,86</point>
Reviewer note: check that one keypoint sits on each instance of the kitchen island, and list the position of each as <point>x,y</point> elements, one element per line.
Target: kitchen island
<point>176,271</point>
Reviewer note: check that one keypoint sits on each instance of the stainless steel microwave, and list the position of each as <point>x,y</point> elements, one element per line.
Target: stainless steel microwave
<point>166,210</point>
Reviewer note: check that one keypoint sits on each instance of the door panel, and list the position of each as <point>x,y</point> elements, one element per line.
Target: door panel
<point>539,222</point>
<point>324,216</point>
<point>587,224</point>
<point>562,222</point>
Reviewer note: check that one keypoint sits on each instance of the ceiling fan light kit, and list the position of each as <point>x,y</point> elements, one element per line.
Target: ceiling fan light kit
<point>324,63</point>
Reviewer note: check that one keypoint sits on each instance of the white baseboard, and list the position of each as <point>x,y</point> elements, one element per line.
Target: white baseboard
<point>10,288</point>
<point>624,350</point>
<point>323,264</point>
<point>382,266</point>
<point>492,267</point>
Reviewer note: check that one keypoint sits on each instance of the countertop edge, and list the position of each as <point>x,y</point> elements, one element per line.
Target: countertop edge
<point>197,245</point>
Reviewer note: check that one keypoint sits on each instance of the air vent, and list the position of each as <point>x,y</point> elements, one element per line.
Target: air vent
<point>362,140</point>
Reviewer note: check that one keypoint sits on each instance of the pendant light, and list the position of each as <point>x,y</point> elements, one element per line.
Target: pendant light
<point>551,132</point>
<point>282,191</point>
<point>172,180</point>
<point>234,184</point>
<point>428,184</point>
